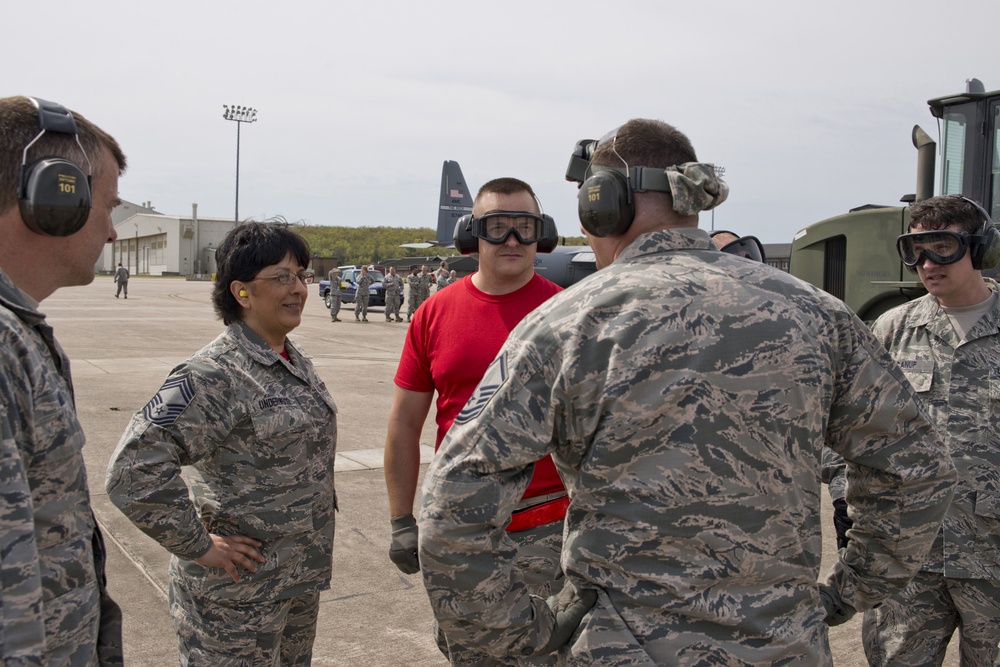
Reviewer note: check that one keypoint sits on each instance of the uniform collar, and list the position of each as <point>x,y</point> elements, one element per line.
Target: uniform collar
<point>666,240</point>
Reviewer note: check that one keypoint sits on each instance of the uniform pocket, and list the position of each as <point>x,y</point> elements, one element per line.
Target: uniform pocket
<point>282,453</point>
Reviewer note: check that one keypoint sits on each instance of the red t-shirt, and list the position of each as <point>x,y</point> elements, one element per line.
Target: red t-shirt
<point>453,338</point>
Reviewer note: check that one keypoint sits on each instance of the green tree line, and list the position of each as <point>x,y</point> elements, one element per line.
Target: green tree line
<point>365,245</point>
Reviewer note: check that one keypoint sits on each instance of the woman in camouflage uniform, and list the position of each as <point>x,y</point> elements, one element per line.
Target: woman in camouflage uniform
<point>252,536</point>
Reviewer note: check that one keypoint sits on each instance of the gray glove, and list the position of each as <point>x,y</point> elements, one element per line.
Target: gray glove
<point>403,549</point>
<point>569,606</point>
<point>837,611</point>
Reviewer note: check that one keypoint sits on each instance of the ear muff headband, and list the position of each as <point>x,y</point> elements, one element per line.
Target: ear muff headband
<point>54,195</point>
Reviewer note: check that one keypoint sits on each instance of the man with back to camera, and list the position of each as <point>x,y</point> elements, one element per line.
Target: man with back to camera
<point>948,346</point>
<point>450,343</point>
<point>685,396</point>
<point>55,218</point>
<point>121,277</point>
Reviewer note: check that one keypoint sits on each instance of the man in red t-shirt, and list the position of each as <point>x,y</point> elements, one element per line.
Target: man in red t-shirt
<point>453,338</point>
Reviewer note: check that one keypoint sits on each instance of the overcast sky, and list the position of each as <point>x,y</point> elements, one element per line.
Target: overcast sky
<point>808,106</point>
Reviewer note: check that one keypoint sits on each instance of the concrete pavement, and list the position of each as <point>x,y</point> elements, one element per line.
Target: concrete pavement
<point>372,616</point>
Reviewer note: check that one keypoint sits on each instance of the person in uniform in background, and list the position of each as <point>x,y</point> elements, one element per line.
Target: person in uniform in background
<point>55,606</point>
<point>393,295</point>
<point>449,345</point>
<point>424,281</point>
<point>361,296</point>
<point>685,396</point>
<point>441,277</point>
<point>252,548</point>
<point>334,294</point>
<point>741,246</point>
<point>948,345</point>
<point>452,276</point>
<point>413,281</point>
<point>121,277</point>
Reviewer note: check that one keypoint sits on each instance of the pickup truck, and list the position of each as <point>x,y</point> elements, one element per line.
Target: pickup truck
<point>349,286</point>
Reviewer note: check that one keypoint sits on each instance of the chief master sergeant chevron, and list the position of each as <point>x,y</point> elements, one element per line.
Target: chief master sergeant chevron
<point>685,396</point>
<point>58,186</point>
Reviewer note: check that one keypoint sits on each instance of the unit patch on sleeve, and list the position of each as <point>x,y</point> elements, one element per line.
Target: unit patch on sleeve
<point>170,401</point>
<point>495,377</point>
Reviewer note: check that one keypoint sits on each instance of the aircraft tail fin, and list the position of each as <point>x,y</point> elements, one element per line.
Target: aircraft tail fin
<point>456,201</point>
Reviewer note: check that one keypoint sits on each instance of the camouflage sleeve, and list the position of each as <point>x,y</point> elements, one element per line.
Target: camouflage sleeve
<point>182,424</point>
<point>470,490</point>
<point>22,640</point>
<point>900,478</point>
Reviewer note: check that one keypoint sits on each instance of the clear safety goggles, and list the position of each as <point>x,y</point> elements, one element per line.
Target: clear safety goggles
<point>497,226</point>
<point>941,246</point>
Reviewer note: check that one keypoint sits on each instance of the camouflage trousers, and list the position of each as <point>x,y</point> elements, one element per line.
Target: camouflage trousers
<point>253,634</point>
<point>914,627</point>
<point>415,300</point>
<point>538,553</point>
<point>361,306</point>
<point>391,306</point>
<point>334,304</point>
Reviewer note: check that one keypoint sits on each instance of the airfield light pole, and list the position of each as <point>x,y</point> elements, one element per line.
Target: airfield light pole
<point>720,171</point>
<point>240,115</point>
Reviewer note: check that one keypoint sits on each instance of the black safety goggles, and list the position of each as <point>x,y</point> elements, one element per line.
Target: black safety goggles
<point>747,246</point>
<point>496,227</point>
<point>941,246</point>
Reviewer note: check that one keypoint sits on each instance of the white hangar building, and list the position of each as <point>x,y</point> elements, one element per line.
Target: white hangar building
<point>151,243</point>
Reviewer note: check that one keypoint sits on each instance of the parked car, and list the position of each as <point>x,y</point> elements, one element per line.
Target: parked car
<point>349,286</point>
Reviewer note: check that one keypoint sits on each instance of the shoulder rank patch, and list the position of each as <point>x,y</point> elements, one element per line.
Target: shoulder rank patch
<point>495,377</point>
<point>170,401</point>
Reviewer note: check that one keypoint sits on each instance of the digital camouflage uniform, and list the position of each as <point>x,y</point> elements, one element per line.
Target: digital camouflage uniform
<point>121,277</point>
<point>420,287</point>
<point>959,382</point>
<point>261,433</point>
<point>361,296</point>
<point>335,297</point>
<point>685,395</point>
<point>54,608</point>
<point>393,295</point>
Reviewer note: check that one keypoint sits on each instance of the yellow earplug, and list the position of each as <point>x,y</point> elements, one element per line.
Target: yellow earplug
<point>243,292</point>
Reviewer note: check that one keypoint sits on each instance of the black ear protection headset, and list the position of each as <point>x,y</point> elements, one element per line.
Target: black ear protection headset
<point>605,202</point>
<point>984,245</point>
<point>54,194</point>
<point>467,243</point>
<point>984,248</point>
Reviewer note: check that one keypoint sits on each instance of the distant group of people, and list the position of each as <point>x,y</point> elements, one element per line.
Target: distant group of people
<point>627,471</point>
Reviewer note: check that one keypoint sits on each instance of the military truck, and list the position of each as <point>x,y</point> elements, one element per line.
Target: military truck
<point>853,256</point>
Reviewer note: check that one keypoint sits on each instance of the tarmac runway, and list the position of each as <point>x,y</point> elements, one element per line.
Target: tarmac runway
<point>372,616</point>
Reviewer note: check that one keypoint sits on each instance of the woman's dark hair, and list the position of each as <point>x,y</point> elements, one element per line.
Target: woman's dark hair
<point>246,250</point>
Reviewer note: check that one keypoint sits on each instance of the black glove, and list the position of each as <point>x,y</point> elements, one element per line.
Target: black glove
<point>403,549</point>
<point>841,522</point>
<point>569,606</point>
